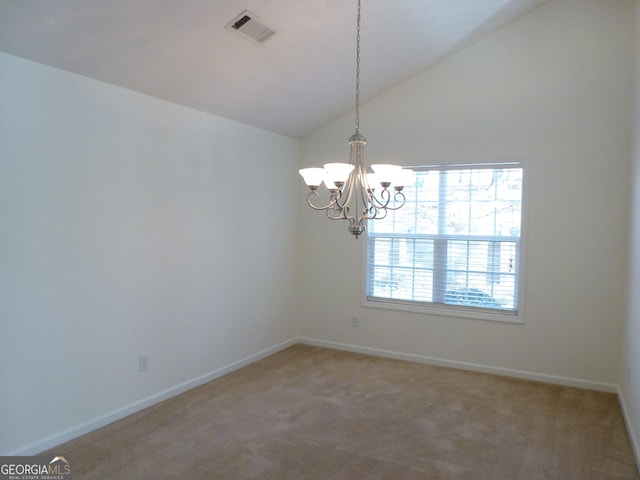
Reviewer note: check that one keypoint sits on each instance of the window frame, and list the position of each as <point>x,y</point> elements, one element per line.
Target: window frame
<point>460,311</point>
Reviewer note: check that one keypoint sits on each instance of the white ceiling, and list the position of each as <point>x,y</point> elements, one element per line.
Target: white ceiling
<point>295,82</point>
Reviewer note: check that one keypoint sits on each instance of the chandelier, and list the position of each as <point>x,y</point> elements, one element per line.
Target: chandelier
<point>356,195</point>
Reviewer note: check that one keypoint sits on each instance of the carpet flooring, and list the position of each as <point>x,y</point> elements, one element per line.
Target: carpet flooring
<point>315,413</point>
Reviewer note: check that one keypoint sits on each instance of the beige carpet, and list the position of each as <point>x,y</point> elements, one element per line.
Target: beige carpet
<point>314,413</point>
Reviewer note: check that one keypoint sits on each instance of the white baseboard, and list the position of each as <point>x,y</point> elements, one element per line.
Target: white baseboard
<point>505,372</point>
<point>103,420</point>
<point>630,430</point>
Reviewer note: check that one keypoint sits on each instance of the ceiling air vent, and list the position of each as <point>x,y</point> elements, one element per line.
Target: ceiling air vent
<point>247,24</point>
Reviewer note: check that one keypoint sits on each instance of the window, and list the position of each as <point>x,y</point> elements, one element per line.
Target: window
<point>454,246</point>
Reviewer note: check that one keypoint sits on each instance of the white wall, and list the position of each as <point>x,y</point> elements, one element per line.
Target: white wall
<point>129,226</point>
<point>629,374</point>
<point>554,87</point>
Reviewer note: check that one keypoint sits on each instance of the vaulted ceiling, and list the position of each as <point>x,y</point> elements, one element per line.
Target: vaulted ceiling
<point>302,77</point>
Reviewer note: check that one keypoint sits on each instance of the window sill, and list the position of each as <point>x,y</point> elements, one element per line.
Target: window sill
<point>444,310</point>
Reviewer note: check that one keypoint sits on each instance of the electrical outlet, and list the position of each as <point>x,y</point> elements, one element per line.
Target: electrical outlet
<point>355,321</point>
<point>143,363</point>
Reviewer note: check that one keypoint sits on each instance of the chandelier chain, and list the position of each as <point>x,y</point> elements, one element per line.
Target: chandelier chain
<point>358,71</point>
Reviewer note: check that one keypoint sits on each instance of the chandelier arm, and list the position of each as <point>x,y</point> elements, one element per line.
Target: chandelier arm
<point>372,213</point>
<point>347,191</point>
<point>314,193</point>
<point>380,213</point>
<point>339,214</point>
<point>365,189</point>
<point>369,211</point>
<point>397,198</point>
<point>344,201</point>
<point>381,201</point>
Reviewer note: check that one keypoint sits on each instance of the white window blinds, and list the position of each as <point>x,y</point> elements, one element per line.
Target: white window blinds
<point>456,241</point>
